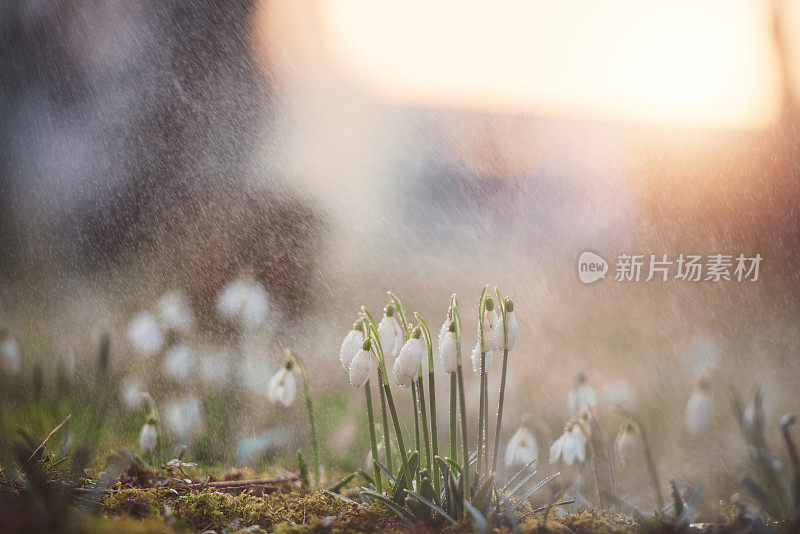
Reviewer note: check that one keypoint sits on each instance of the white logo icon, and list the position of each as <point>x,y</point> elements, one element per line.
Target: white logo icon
<point>591,267</point>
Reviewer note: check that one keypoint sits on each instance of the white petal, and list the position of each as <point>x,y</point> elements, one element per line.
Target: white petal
<point>448,353</point>
<point>144,333</point>
<point>10,356</point>
<point>387,334</point>
<point>178,362</point>
<point>513,329</point>
<point>698,412</point>
<point>476,359</point>
<point>350,346</point>
<point>148,438</point>
<point>360,368</point>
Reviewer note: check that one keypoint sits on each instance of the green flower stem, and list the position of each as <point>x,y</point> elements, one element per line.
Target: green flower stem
<point>453,410</point>
<point>310,408</point>
<point>387,443</point>
<point>462,402</point>
<point>373,441</point>
<point>423,412</point>
<point>416,418</point>
<point>479,461</point>
<point>486,423</point>
<point>434,432</point>
<point>483,416</point>
<point>397,430</point>
<point>500,410</point>
<point>390,401</point>
<point>371,328</point>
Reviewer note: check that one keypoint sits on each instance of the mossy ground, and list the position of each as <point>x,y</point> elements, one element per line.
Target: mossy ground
<point>295,512</point>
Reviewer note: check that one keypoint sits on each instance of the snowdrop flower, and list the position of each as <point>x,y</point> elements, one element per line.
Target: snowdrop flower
<point>361,366</point>
<point>282,386</point>
<point>10,356</point>
<point>443,333</point>
<point>144,333</point>
<point>131,393</point>
<point>582,397</point>
<point>447,352</point>
<point>175,312</point>
<point>148,437</point>
<point>513,328</point>
<point>476,358</point>
<point>406,365</point>
<point>352,344</point>
<point>570,446</point>
<point>184,417</point>
<point>381,457</point>
<point>178,362</point>
<point>389,333</point>
<point>699,409</point>
<point>521,448</point>
<point>626,446</point>
<point>245,302</point>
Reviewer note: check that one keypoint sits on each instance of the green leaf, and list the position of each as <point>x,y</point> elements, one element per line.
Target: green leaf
<point>385,471</point>
<point>431,505</point>
<point>402,514</point>
<point>303,468</point>
<point>481,498</point>
<point>366,476</point>
<point>481,525</point>
<point>531,491</point>
<point>342,497</point>
<point>342,483</point>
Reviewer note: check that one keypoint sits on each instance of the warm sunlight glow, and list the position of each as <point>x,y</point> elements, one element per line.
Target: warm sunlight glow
<point>706,63</point>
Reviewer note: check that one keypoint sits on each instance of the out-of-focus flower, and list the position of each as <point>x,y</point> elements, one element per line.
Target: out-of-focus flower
<point>699,409</point>
<point>570,446</point>
<point>582,397</point>
<point>144,333</point>
<point>521,448</point>
<point>476,358</point>
<point>131,393</point>
<point>351,345</point>
<point>244,301</point>
<point>183,417</point>
<point>381,457</point>
<point>389,333</point>
<point>406,365</point>
<point>178,362</point>
<point>10,356</point>
<point>360,367</point>
<point>175,312</point>
<point>282,387</point>
<point>626,446</point>
<point>148,437</point>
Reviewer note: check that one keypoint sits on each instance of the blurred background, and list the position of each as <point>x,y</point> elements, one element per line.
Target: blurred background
<point>329,151</point>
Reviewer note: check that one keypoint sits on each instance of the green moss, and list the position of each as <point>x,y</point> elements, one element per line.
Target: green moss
<point>136,503</point>
<point>594,522</point>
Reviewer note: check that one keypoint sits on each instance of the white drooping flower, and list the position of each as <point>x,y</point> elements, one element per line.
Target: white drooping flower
<point>178,362</point>
<point>570,447</point>
<point>175,312</point>
<point>360,368</point>
<point>406,365</point>
<point>282,387</point>
<point>699,409</point>
<point>447,352</point>
<point>390,334</point>
<point>521,448</point>
<point>513,330</point>
<point>183,417</point>
<point>131,393</point>
<point>442,333</point>
<point>244,301</point>
<point>476,358</point>
<point>148,437</point>
<point>144,333</point>
<point>626,446</point>
<point>581,398</point>
<point>10,356</point>
<point>350,346</point>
